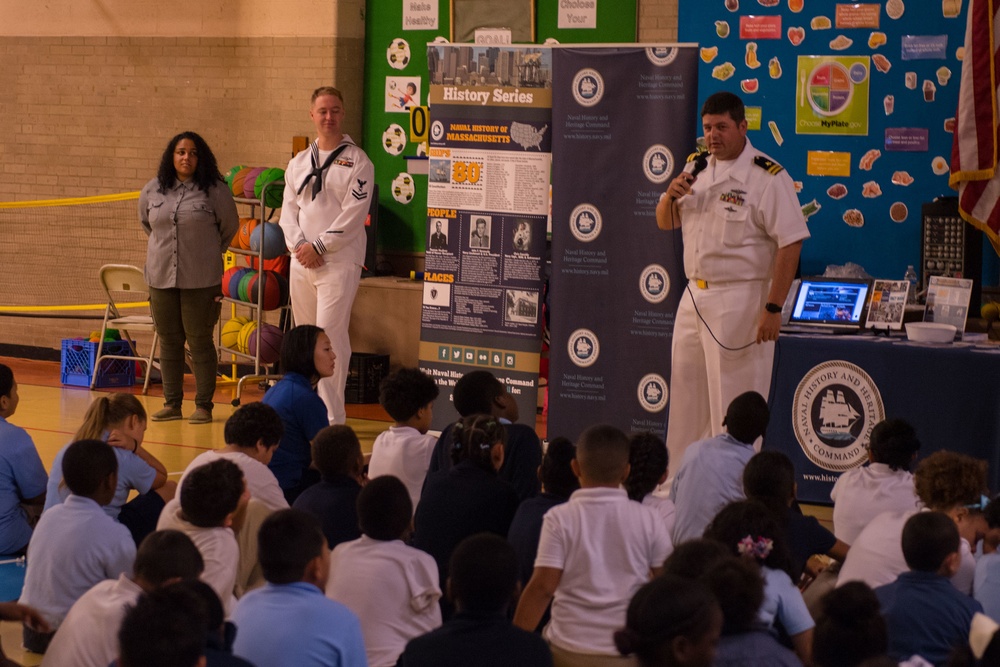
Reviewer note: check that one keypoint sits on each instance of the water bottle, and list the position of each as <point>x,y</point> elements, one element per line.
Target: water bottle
<point>911,277</point>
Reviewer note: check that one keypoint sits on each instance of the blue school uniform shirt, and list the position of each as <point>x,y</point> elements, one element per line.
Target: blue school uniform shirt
<point>133,473</point>
<point>783,602</point>
<point>925,615</point>
<point>710,476</point>
<point>986,586</point>
<point>295,624</point>
<point>75,546</point>
<point>22,475</point>
<point>303,413</point>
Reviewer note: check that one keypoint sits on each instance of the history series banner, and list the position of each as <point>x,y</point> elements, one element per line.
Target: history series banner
<point>487,209</point>
<point>624,120</point>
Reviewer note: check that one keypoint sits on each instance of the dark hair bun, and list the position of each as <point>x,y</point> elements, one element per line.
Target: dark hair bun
<point>625,641</point>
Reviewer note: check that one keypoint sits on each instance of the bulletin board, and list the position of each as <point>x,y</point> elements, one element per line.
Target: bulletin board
<point>856,100</point>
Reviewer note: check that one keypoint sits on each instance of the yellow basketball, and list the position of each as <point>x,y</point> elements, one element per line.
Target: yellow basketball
<point>242,341</point>
<point>231,332</point>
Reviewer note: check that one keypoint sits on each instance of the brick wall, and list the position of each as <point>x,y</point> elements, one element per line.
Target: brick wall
<point>658,20</point>
<point>91,97</point>
<point>91,115</point>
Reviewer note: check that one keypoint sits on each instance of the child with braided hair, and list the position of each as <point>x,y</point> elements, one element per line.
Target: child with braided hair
<point>750,530</point>
<point>469,497</point>
<point>648,461</point>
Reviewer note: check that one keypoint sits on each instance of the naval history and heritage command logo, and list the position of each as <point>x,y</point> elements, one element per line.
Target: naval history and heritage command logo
<point>588,87</point>
<point>835,407</point>
<point>653,392</point>
<point>583,347</point>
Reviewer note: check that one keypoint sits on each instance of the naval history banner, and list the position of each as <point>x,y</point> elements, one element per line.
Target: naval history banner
<point>624,120</point>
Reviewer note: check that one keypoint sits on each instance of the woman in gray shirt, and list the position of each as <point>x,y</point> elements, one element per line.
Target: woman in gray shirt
<point>190,217</point>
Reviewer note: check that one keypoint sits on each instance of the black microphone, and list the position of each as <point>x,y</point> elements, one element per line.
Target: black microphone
<point>700,162</point>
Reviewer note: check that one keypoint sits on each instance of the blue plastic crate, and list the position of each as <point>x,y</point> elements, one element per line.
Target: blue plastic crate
<point>78,358</point>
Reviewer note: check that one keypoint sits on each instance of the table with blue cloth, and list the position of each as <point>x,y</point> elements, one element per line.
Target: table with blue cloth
<point>828,392</point>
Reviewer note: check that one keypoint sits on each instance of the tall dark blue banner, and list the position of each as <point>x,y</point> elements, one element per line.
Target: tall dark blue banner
<point>622,121</point>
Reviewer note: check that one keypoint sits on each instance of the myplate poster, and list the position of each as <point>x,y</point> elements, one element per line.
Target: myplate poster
<point>831,95</point>
<point>487,208</point>
<point>623,122</point>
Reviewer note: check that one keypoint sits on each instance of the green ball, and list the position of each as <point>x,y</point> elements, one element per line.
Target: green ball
<point>244,286</point>
<point>990,311</point>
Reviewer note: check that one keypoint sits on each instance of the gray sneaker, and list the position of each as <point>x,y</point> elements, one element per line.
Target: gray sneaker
<point>167,414</point>
<point>200,416</point>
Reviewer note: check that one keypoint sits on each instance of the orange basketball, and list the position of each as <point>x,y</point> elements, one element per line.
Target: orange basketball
<point>247,225</point>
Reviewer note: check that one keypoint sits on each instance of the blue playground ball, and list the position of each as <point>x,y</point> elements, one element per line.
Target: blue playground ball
<point>273,240</point>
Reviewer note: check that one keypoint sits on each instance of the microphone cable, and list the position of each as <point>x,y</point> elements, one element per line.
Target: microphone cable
<point>700,163</point>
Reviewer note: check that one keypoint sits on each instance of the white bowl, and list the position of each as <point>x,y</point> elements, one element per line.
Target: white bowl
<point>930,332</point>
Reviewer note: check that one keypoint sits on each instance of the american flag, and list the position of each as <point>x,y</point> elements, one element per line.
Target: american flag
<point>976,140</point>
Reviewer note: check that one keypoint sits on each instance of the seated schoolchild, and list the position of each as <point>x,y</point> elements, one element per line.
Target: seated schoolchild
<point>738,586</point>
<point>648,462</point>
<point>558,483</point>
<point>22,475</point>
<point>391,587</point>
<point>219,633</point>
<point>595,552</point>
<point>333,500</point>
<point>306,358</point>
<point>120,420</point>
<point>251,434</point>
<point>884,485</point>
<point>76,544</point>
<point>748,529</point>
<point>404,451</point>
<point>671,622</point>
<point>710,474</point>
<point>482,585</point>
<point>88,636</point>
<point>850,628</point>
<point>165,628</point>
<point>212,497</point>
<point>924,613</point>
<point>479,392</point>
<point>946,482</point>
<point>769,478</point>
<point>469,497</point>
<point>289,621</point>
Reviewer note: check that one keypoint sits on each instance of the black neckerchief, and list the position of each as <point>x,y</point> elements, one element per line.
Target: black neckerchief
<point>317,170</point>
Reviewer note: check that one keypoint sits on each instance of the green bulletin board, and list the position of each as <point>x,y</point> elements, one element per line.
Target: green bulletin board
<point>402,224</point>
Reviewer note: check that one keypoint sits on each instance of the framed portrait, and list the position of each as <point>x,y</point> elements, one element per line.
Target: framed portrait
<point>516,15</point>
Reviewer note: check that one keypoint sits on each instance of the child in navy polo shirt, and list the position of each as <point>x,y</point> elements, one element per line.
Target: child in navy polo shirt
<point>926,615</point>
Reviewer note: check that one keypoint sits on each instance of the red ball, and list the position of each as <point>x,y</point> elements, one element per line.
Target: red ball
<point>280,264</point>
<point>272,289</point>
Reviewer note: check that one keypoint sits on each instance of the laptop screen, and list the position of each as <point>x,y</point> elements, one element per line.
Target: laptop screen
<point>830,302</point>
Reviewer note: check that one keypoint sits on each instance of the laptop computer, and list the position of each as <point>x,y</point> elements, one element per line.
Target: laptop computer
<point>829,305</point>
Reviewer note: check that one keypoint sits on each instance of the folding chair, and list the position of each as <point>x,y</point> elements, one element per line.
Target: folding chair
<point>126,284</point>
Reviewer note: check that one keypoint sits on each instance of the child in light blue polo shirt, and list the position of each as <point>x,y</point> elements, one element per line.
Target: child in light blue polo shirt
<point>22,475</point>
<point>76,545</point>
<point>290,621</point>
